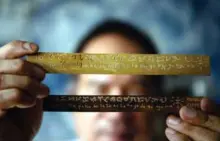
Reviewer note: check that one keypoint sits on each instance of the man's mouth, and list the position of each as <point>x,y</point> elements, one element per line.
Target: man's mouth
<point>115,131</point>
<point>126,137</point>
<point>116,136</point>
<point>122,137</point>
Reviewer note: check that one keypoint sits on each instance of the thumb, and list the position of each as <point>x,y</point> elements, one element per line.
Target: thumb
<point>210,106</point>
<point>17,49</point>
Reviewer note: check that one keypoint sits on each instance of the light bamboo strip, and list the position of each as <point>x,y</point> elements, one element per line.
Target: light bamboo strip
<point>139,64</point>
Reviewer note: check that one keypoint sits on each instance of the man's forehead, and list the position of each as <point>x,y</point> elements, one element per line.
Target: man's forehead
<point>111,43</point>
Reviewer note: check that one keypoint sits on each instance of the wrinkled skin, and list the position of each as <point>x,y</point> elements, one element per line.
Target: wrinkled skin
<point>21,92</point>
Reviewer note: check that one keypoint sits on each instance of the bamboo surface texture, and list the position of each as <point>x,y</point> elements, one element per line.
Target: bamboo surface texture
<point>139,64</point>
<point>135,64</point>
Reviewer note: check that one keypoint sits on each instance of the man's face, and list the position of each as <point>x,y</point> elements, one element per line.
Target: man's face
<point>112,126</point>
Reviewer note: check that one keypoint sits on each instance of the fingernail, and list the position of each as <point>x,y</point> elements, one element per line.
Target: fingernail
<point>174,120</point>
<point>189,112</point>
<point>170,131</point>
<point>34,47</point>
<point>27,46</point>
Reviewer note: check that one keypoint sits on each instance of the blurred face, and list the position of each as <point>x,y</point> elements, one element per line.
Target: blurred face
<point>112,126</point>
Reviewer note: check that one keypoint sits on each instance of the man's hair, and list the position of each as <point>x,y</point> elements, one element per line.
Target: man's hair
<point>128,31</point>
<point>124,29</point>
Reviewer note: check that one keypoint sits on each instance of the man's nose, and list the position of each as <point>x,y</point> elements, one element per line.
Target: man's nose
<point>115,115</point>
<point>117,91</point>
<point>125,116</point>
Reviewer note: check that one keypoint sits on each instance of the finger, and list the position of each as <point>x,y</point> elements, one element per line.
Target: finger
<point>200,118</point>
<point>173,135</point>
<point>9,131</point>
<point>196,133</point>
<point>25,83</point>
<point>2,113</point>
<point>15,98</point>
<point>21,67</point>
<point>17,49</point>
<point>209,106</point>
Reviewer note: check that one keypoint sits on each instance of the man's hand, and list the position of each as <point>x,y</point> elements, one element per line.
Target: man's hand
<point>195,125</point>
<point>21,92</point>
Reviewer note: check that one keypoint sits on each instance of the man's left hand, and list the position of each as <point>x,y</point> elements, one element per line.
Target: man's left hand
<point>195,125</point>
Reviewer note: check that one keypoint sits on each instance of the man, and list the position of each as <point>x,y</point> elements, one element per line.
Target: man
<point>21,87</point>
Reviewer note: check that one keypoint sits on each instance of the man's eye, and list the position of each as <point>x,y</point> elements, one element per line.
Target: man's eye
<point>103,89</point>
<point>137,90</point>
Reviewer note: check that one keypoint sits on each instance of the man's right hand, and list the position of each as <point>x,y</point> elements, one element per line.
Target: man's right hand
<point>21,92</point>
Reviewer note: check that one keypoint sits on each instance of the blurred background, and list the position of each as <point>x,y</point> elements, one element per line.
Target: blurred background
<point>187,26</point>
